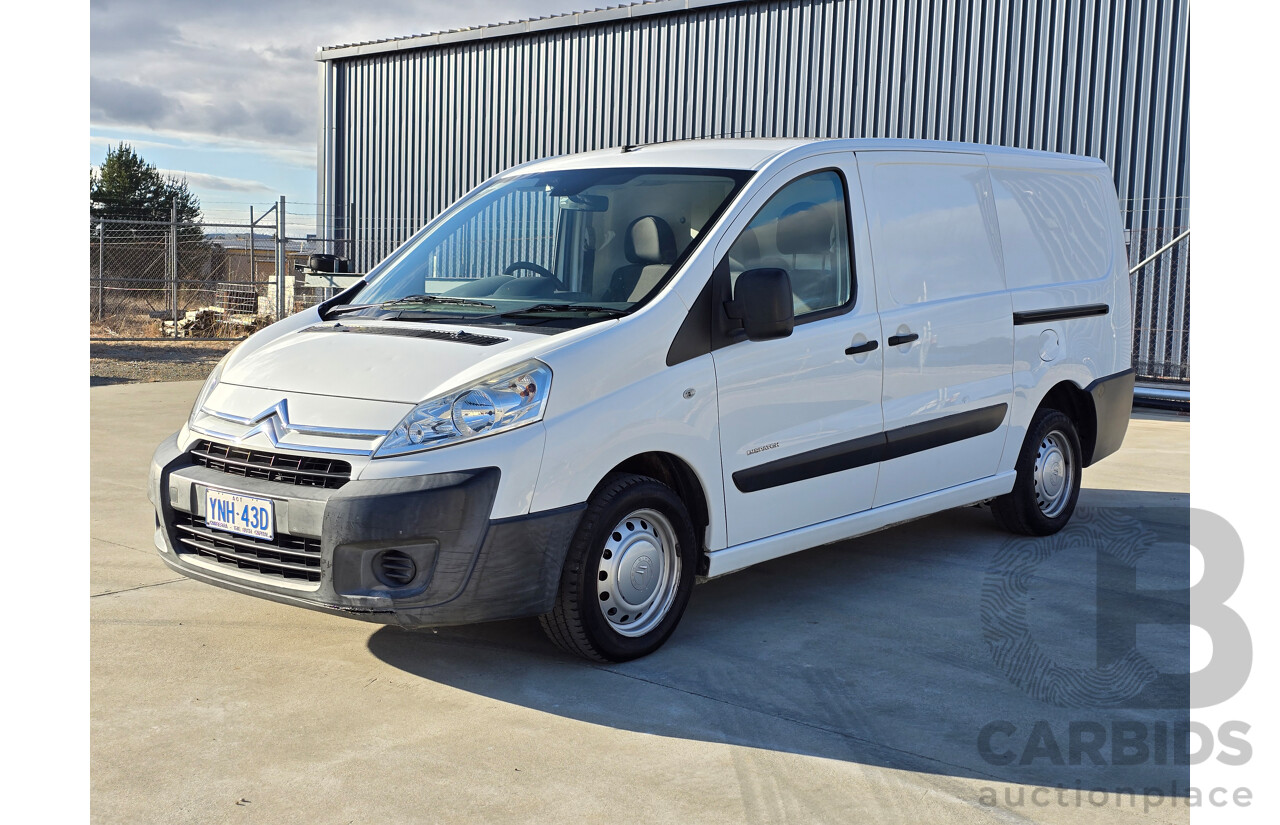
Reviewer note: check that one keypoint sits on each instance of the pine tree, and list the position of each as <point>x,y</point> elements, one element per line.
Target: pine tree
<point>127,188</point>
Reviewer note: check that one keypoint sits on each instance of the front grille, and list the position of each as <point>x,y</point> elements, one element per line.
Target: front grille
<point>302,471</point>
<point>289,557</point>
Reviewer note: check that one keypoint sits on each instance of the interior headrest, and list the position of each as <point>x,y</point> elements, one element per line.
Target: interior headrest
<point>650,241</point>
<point>747,247</point>
<point>805,229</point>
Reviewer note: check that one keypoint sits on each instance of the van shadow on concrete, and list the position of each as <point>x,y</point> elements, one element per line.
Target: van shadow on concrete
<point>898,649</point>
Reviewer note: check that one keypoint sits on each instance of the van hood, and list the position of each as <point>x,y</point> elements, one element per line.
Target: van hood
<point>403,362</point>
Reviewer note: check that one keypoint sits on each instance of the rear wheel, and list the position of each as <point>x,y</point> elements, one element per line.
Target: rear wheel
<point>1048,483</point>
<point>628,575</point>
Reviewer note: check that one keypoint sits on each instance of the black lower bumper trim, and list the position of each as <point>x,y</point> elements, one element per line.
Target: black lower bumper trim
<point>466,567</point>
<point>515,574</point>
<point>1112,406</point>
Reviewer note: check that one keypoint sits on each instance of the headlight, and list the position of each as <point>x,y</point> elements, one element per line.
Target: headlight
<point>209,384</point>
<point>502,401</point>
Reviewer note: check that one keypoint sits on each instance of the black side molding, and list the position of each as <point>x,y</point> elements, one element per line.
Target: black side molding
<point>870,449</point>
<point>1040,316</point>
<point>949,429</point>
<point>835,458</point>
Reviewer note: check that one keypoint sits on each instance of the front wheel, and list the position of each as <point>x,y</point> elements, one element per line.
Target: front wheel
<point>1048,483</point>
<point>629,572</point>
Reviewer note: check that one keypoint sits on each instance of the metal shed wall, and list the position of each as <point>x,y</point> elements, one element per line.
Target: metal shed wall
<point>410,125</point>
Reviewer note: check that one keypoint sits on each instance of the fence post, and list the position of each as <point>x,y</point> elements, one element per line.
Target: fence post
<point>253,253</point>
<point>281,259</point>
<point>101,238</point>
<point>173,260</point>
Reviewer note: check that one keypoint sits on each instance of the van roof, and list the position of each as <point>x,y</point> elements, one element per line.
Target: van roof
<point>755,153</point>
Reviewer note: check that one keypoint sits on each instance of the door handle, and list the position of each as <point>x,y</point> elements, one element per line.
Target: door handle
<point>899,340</point>
<point>858,349</point>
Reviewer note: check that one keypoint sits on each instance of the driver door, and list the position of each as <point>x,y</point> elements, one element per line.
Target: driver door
<point>800,420</point>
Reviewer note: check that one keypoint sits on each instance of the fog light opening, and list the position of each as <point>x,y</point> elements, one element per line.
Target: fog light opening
<point>394,568</point>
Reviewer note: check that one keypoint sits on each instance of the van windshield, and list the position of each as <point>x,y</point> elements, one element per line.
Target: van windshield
<point>555,249</point>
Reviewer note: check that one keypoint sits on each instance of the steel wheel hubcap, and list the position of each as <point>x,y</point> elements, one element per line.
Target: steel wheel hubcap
<point>1054,474</point>
<point>639,572</point>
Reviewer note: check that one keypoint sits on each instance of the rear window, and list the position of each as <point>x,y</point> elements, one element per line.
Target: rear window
<point>1052,225</point>
<point>933,235</point>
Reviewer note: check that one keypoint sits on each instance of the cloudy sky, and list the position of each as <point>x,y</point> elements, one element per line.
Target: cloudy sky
<point>227,93</point>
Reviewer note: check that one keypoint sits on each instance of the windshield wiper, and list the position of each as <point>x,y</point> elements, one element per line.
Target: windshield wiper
<point>409,299</point>
<point>437,299</point>
<point>565,308</point>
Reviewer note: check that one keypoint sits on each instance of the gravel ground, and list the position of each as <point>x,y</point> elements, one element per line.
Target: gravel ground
<point>140,362</point>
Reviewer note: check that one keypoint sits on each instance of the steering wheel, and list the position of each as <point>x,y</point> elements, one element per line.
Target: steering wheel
<point>532,267</point>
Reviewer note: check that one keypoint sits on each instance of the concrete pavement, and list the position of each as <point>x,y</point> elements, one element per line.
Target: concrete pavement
<point>845,684</point>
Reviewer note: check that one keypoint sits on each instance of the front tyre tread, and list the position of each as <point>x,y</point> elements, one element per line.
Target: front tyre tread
<point>575,624</point>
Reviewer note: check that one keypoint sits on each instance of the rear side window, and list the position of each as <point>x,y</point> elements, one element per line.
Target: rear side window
<point>933,234</point>
<point>804,229</point>
<point>1052,225</point>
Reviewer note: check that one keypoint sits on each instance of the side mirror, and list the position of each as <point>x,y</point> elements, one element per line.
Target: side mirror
<point>327,263</point>
<point>762,302</point>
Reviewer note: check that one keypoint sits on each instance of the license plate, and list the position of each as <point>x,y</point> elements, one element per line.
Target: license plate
<point>245,515</point>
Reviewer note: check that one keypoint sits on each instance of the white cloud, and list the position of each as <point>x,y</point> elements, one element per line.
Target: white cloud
<point>302,154</point>
<point>201,180</point>
<point>228,91</point>
<point>245,70</point>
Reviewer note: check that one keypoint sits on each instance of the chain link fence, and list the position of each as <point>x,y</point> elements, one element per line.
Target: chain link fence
<point>129,279</point>
<point>1160,294</point>
<point>152,280</point>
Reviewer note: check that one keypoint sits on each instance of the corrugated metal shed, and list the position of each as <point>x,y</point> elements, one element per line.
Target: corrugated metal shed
<point>411,124</point>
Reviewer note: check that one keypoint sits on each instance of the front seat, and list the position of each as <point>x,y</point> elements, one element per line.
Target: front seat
<point>650,246</point>
<point>806,230</point>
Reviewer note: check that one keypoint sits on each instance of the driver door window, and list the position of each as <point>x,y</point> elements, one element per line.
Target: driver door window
<point>804,229</point>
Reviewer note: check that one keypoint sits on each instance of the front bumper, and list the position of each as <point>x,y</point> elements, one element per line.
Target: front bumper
<point>469,568</point>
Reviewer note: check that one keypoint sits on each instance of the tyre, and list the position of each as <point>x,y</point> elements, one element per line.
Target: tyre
<point>1048,483</point>
<point>628,573</point>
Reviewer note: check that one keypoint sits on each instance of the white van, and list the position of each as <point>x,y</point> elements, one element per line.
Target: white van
<point>598,378</point>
